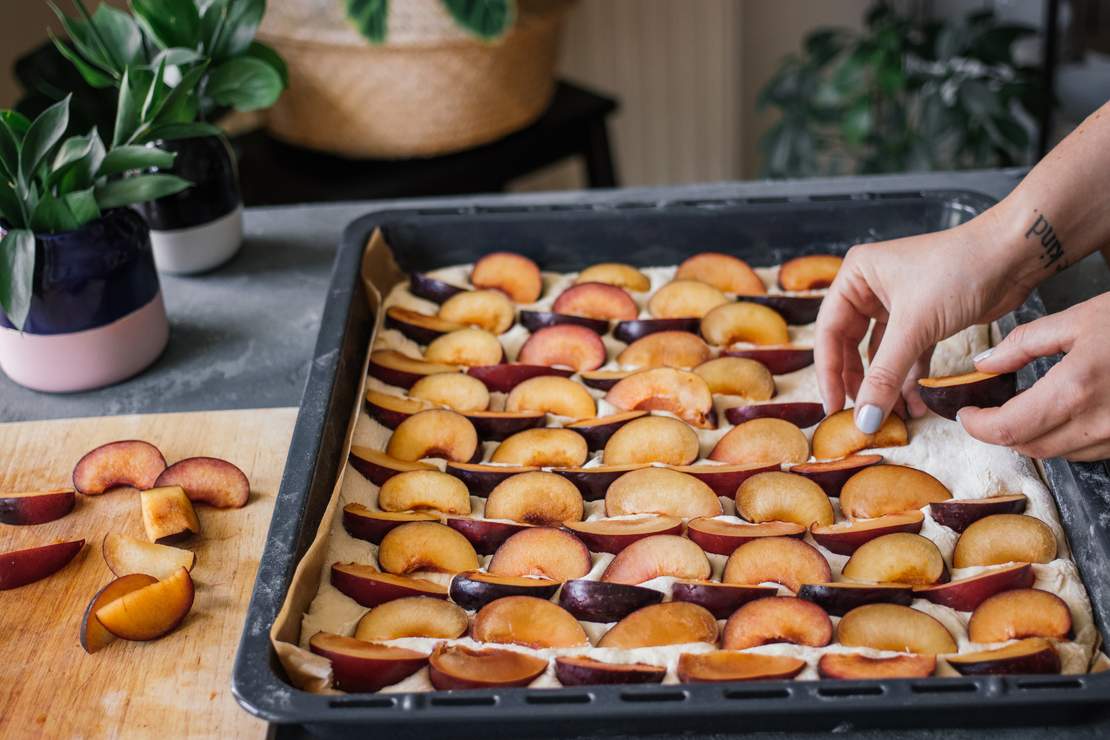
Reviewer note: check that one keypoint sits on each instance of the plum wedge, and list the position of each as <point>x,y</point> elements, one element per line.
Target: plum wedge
<point>209,480</point>
<point>129,462</point>
<point>20,567</point>
<point>35,507</point>
<point>947,395</point>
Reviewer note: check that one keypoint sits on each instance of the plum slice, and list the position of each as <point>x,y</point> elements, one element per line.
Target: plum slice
<point>528,621</point>
<point>417,546</point>
<point>764,441</point>
<point>129,462</point>
<point>475,589</point>
<point>124,555</point>
<point>723,537</point>
<point>840,598</point>
<point>779,360</point>
<point>496,426</point>
<point>679,392</point>
<point>883,489</point>
<point>424,489</point>
<point>560,448</point>
<point>578,670</point>
<point>665,349</point>
<point>93,635</point>
<point>412,616</point>
<point>832,475</point>
<point>961,513</point>
<point>720,599</point>
<point>533,321</point>
<point>1032,655</point>
<point>777,619</point>
<point>359,666</point>
<point>434,433</point>
<point>458,667</point>
<point>481,479</point>
<point>597,431</point>
<point>1020,613</point>
<point>783,497</point>
<point>744,322</point>
<point>652,439</point>
<point>398,369</point>
<point>468,347</point>
<point>421,328</point>
<point>370,587</point>
<point>901,557</point>
<point>838,436</point>
<point>672,623</point>
<point>658,555</point>
<point>20,567</point>
<point>896,628</point>
<point>810,272</point>
<point>370,525</point>
<point>598,601</point>
<point>725,272</point>
<point>485,535</point>
<point>168,515</point>
<point>594,481</point>
<point>604,379</point>
<point>453,390</point>
<point>857,667</point>
<point>545,552</point>
<point>378,467</point>
<point>432,289</point>
<point>615,273</point>
<point>503,377</point>
<point>535,498</point>
<point>782,560</point>
<point>734,665</point>
<point>513,274</point>
<point>486,309</point>
<point>738,376</point>
<point>552,395</point>
<point>967,593</point>
<point>596,301</point>
<point>797,310</point>
<point>724,479</point>
<point>209,480</point>
<point>947,395</point>
<point>1005,538</point>
<point>35,507</point>
<point>565,345</point>
<point>661,491</point>
<point>613,535</point>
<point>845,538</point>
<point>635,329</point>
<point>151,611</point>
<point>684,299</point>
<point>390,410</point>
<point>801,415</point>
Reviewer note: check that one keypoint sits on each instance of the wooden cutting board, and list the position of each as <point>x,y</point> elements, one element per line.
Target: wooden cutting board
<point>174,687</point>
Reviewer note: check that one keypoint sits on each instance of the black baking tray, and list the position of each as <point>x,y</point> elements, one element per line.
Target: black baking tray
<point>773,224</point>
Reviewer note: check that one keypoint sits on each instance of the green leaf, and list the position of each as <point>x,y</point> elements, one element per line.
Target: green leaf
<point>17,274</point>
<point>155,94</point>
<point>857,122</point>
<point>82,174</point>
<point>240,23</point>
<point>125,158</point>
<point>42,137</point>
<point>180,106</point>
<point>82,204</point>
<point>120,33</point>
<point>995,45</point>
<point>9,152</point>
<point>133,91</point>
<point>170,23</point>
<point>978,99</point>
<point>176,57</point>
<point>52,215</point>
<point>138,189</point>
<point>91,74</point>
<point>244,83</point>
<point>264,53</point>
<point>486,19</point>
<point>824,44</point>
<point>16,122</point>
<point>69,155</point>
<point>172,131</point>
<point>9,204</point>
<point>369,17</point>
<point>85,38</point>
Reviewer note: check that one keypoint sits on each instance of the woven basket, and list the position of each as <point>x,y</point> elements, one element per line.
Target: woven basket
<point>431,89</point>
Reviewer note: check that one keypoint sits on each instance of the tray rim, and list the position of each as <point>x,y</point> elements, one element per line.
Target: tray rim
<point>270,697</point>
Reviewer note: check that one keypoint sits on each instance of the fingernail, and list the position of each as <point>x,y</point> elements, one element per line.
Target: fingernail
<point>868,418</point>
<point>982,355</point>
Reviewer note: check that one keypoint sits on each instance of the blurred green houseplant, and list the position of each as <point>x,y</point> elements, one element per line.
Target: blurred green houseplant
<point>486,19</point>
<point>901,95</point>
<point>206,46</point>
<point>51,183</point>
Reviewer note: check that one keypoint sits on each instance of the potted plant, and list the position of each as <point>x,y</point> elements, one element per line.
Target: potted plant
<point>80,302</point>
<point>411,78</point>
<point>207,49</point>
<point>902,95</point>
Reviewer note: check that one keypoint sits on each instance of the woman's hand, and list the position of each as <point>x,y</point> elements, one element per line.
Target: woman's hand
<point>1067,412</point>
<point>919,290</point>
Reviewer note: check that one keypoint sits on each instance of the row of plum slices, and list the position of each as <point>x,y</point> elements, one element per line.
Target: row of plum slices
<point>694,325</point>
<point>153,590</point>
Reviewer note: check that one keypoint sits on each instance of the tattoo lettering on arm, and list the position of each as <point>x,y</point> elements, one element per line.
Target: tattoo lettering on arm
<point>1052,249</point>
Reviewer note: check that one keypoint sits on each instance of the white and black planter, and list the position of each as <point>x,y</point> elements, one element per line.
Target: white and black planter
<point>201,227</point>
<point>96,314</point>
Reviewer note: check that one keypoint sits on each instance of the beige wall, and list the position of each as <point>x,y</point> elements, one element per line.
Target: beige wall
<point>22,29</point>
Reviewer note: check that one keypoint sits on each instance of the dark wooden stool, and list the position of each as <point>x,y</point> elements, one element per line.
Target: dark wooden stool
<point>273,173</point>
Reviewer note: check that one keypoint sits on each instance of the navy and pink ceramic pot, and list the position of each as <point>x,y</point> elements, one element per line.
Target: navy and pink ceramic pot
<point>96,314</point>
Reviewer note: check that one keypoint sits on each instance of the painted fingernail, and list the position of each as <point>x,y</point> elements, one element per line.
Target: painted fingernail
<point>868,418</point>
<point>983,355</point>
